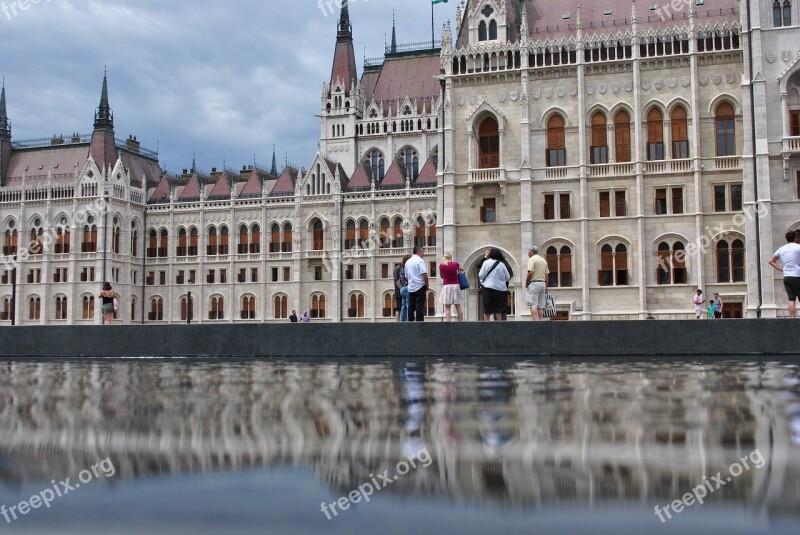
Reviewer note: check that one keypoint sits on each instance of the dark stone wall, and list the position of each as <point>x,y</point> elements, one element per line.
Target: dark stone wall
<point>506,339</point>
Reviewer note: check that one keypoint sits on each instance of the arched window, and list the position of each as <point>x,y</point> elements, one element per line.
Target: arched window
<point>89,244</point>
<point>281,307</point>
<point>36,243</point>
<point>680,133</point>
<point>274,238</point>
<point>488,144</point>
<point>184,308</point>
<point>224,240</point>
<point>61,308</point>
<point>356,309</point>
<point>419,234</point>
<point>483,34</point>
<point>431,227</point>
<point>559,261</point>
<point>408,157</point>
<point>671,263</point>
<point>730,261</point>
<point>318,236</point>
<point>622,136</point>
<point>389,305</point>
<point>156,309</point>
<point>782,13</point>
<point>492,30</point>
<point>286,244</point>
<point>10,239</point>
<point>655,135</point>
<point>350,235</point>
<point>5,313</point>
<point>255,239</point>
<point>556,142</point>
<point>398,238</point>
<point>163,244</point>
<point>244,240</point>
<point>88,307</point>
<point>211,248</point>
<point>62,237</point>
<point>376,162</point>
<point>726,130</point>
<point>35,308</point>
<point>217,311</point>
<point>431,304</point>
<point>248,307</point>
<point>116,238</point>
<point>134,240</point>
<point>599,139</point>
<point>133,309</point>
<point>194,239</point>
<point>613,265</point>
<point>318,306</point>
<point>182,243</point>
<point>385,233</point>
<point>152,244</point>
<point>363,234</point>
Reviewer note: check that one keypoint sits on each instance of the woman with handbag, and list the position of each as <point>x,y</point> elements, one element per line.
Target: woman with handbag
<point>451,290</point>
<point>494,278</point>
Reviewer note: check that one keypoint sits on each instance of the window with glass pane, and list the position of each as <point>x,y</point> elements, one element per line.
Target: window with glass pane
<point>563,207</point>
<point>599,139</point>
<point>661,201</point>
<point>556,142</point>
<point>794,123</point>
<point>736,197</point>
<point>489,144</point>
<point>605,203</point>
<point>680,133</point>
<point>619,203</point>
<point>622,136</point>
<point>726,134</point>
<point>655,135</point>
<point>677,200</point>
<point>719,199</point>
<point>550,206</point>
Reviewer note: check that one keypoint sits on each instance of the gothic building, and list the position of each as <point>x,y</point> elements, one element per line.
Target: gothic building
<point>647,150</point>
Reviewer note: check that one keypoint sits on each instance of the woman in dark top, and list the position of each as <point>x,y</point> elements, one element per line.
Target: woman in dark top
<point>107,295</point>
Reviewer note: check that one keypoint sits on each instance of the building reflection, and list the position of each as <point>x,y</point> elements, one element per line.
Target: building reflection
<point>521,434</point>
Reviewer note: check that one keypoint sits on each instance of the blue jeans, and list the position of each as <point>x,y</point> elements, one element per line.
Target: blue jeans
<point>404,303</point>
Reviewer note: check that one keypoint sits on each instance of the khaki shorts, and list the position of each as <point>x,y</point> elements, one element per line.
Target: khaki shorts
<point>535,296</point>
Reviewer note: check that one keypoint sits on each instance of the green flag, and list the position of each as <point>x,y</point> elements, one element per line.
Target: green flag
<point>439,2</point>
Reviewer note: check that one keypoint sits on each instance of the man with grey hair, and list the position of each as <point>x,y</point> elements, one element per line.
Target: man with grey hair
<point>536,283</point>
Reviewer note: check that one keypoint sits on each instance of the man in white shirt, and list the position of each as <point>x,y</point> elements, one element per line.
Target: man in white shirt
<point>789,255</point>
<point>417,275</point>
<point>698,304</point>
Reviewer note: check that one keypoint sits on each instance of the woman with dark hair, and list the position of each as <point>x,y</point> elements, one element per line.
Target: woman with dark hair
<point>494,277</point>
<point>401,289</point>
<point>107,295</point>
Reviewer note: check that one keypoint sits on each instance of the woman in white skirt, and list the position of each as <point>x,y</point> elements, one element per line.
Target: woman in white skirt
<point>451,291</point>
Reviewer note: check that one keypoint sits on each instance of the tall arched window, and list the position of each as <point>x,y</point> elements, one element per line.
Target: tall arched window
<point>36,243</point>
<point>613,265</point>
<point>385,233</point>
<point>671,263</point>
<point>483,34</point>
<point>163,244</point>
<point>211,248</point>
<point>559,261</point>
<point>61,308</point>
<point>217,311</point>
<point>781,13</point>
<point>89,244</point>
<point>599,139</point>
<point>655,135</point>
<point>730,261</point>
<point>398,237</point>
<point>35,308</point>
<point>492,30</point>
<point>156,309</point>
<point>556,142</point>
<point>134,240</point>
<point>318,236</point>
<point>194,240</point>
<point>133,309</point>
<point>622,136</point>
<point>419,232</point>
<point>363,234</point>
<point>356,309</point>
<point>280,307</point>
<point>88,307</point>
<point>248,307</point>
<point>62,237</point>
<point>244,240</point>
<point>182,243</point>
<point>184,308</point>
<point>431,304</point>
<point>488,144</point>
<point>680,133</point>
<point>409,158</point>
<point>726,130</point>
<point>116,238</point>
<point>377,164</point>
<point>152,243</point>
<point>389,305</point>
<point>318,306</point>
<point>255,239</point>
<point>10,239</point>
<point>224,240</point>
<point>350,235</point>
<point>286,244</point>
<point>274,238</point>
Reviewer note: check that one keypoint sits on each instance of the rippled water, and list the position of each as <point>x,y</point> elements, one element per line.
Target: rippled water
<point>492,446</point>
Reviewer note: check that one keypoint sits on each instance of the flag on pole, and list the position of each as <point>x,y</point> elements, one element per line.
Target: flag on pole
<point>439,2</point>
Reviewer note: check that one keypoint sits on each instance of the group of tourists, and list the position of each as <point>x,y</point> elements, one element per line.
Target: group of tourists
<point>714,310</point>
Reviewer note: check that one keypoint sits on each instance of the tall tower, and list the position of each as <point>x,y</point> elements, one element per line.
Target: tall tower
<point>5,137</point>
<point>344,57</point>
<point>104,149</point>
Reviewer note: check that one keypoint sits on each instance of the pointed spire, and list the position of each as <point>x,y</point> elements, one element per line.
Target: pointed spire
<point>104,118</point>
<point>393,50</point>
<point>345,28</point>
<point>274,170</point>
<point>194,162</point>
<point>5,129</point>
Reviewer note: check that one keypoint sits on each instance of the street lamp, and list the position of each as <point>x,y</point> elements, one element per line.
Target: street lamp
<point>14,291</point>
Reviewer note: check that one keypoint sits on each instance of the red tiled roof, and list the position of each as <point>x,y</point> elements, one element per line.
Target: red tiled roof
<point>344,64</point>
<point>285,183</point>
<point>191,191</point>
<point>142,169</point>
<point>161,190</point>
<point>428,174</point>
<point>222,189</point>
<point>251,188</point>
<point>61,161</point>
<point>361,177</point>
<point>369,81</point>
<point>395,176</point>
<point>412,76</point>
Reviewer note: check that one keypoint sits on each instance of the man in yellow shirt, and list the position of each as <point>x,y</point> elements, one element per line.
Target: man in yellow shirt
<point>536,283</point>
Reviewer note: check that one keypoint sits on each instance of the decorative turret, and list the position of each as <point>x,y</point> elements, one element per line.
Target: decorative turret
<point>104,149</point>
<point>274,169</point>
<point>393,48</point>
<point>344,57</point>
<point>5,137</point>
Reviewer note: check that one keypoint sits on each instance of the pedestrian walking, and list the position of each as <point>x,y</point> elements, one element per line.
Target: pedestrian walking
<point>451,292</point>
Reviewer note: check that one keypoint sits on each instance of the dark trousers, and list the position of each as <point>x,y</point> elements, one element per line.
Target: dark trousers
<point>416,304</point>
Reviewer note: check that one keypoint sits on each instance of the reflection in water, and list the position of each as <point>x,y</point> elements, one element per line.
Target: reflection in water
<point>508,433</point>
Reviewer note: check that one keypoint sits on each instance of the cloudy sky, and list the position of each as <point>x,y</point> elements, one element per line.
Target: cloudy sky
<point>227,79</point>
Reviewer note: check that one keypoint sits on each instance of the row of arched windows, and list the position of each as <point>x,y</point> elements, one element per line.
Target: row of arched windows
<point>61,307</point>
<point>63,237</point>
